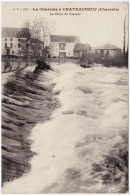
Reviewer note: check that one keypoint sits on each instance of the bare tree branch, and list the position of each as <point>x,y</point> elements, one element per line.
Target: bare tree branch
<point>37,42</point>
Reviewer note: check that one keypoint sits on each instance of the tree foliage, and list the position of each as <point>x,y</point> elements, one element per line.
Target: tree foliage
<point>36,44</point>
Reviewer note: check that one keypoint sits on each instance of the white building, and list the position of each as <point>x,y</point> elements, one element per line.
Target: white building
<point>107,50</point>
<point>80,49</point>
<point>60,46</point>
<point>63,46</point>
<point>11,38</point>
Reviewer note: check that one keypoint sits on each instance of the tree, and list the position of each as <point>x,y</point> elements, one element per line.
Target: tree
<point>36,44</point>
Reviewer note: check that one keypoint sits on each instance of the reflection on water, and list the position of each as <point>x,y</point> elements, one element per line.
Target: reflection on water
<point>11,65</point>
<point>25,102</point>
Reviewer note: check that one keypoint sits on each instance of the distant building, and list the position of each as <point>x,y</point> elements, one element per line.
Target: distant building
<point>60,46</point>
<point>63,46</point>
<point>81,49</point>
<point>11,38</point>
<point>107,50</point>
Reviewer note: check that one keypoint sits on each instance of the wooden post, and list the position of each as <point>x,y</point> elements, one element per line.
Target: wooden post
<point>124,35</point>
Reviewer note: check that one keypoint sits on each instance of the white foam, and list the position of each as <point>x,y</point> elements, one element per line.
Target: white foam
<point>92,106</point>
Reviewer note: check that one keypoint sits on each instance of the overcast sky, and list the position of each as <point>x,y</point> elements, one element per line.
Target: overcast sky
<point>93,27</point>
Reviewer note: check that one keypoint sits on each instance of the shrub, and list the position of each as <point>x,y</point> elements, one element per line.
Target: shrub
<point>108,61</point>
<point>118,60</point>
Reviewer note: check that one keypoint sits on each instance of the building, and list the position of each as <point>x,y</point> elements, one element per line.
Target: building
<point>60,46</point>
<point>63,46</point>
<point>11,38</point>
<point>107,50</point>
<point>81,49</point>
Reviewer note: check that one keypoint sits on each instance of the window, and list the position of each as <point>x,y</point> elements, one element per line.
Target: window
<point>5,39</point>
<point>19,45</point>
<point>27,45</point>
<point>11,45</point>
<point>101,51</point>
<point>20,40</point>
<point>11,39</point>
<point>107,52</point>
<point>62,46</point>
<point>19,52</point>
<point>12,52</point>
<point>5,45</point>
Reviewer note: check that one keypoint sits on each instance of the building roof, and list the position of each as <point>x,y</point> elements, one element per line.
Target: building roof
<point>81,47</point>
<point>15,32</point>
<point>61,38</point>
<point>107,46</point>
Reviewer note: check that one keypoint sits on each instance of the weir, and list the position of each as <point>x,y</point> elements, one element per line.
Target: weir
<point>71,151</point>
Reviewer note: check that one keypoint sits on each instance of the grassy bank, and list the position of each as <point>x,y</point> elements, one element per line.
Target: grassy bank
<point>108,61</point>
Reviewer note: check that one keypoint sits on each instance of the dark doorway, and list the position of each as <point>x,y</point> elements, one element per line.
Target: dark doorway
<point>8,52</point>
<point>62,54</point>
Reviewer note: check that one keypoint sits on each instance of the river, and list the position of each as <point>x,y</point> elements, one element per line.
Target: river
<point>66,130</point>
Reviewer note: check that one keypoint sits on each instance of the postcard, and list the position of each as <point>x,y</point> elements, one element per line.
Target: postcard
<point>64,97</point>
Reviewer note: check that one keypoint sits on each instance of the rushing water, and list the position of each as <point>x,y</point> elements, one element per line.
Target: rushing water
<point>27,99</point>
<point>82,147</point>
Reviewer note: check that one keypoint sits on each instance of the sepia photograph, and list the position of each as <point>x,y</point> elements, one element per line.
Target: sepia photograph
<point>64,81</point>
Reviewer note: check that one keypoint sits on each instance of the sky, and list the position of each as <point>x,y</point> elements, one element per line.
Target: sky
<point>93,26</point>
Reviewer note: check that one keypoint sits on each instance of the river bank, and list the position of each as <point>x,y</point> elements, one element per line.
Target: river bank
<point>82,148</point>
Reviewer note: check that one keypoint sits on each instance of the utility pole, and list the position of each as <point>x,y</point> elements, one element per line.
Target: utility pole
<point>124,35</point>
